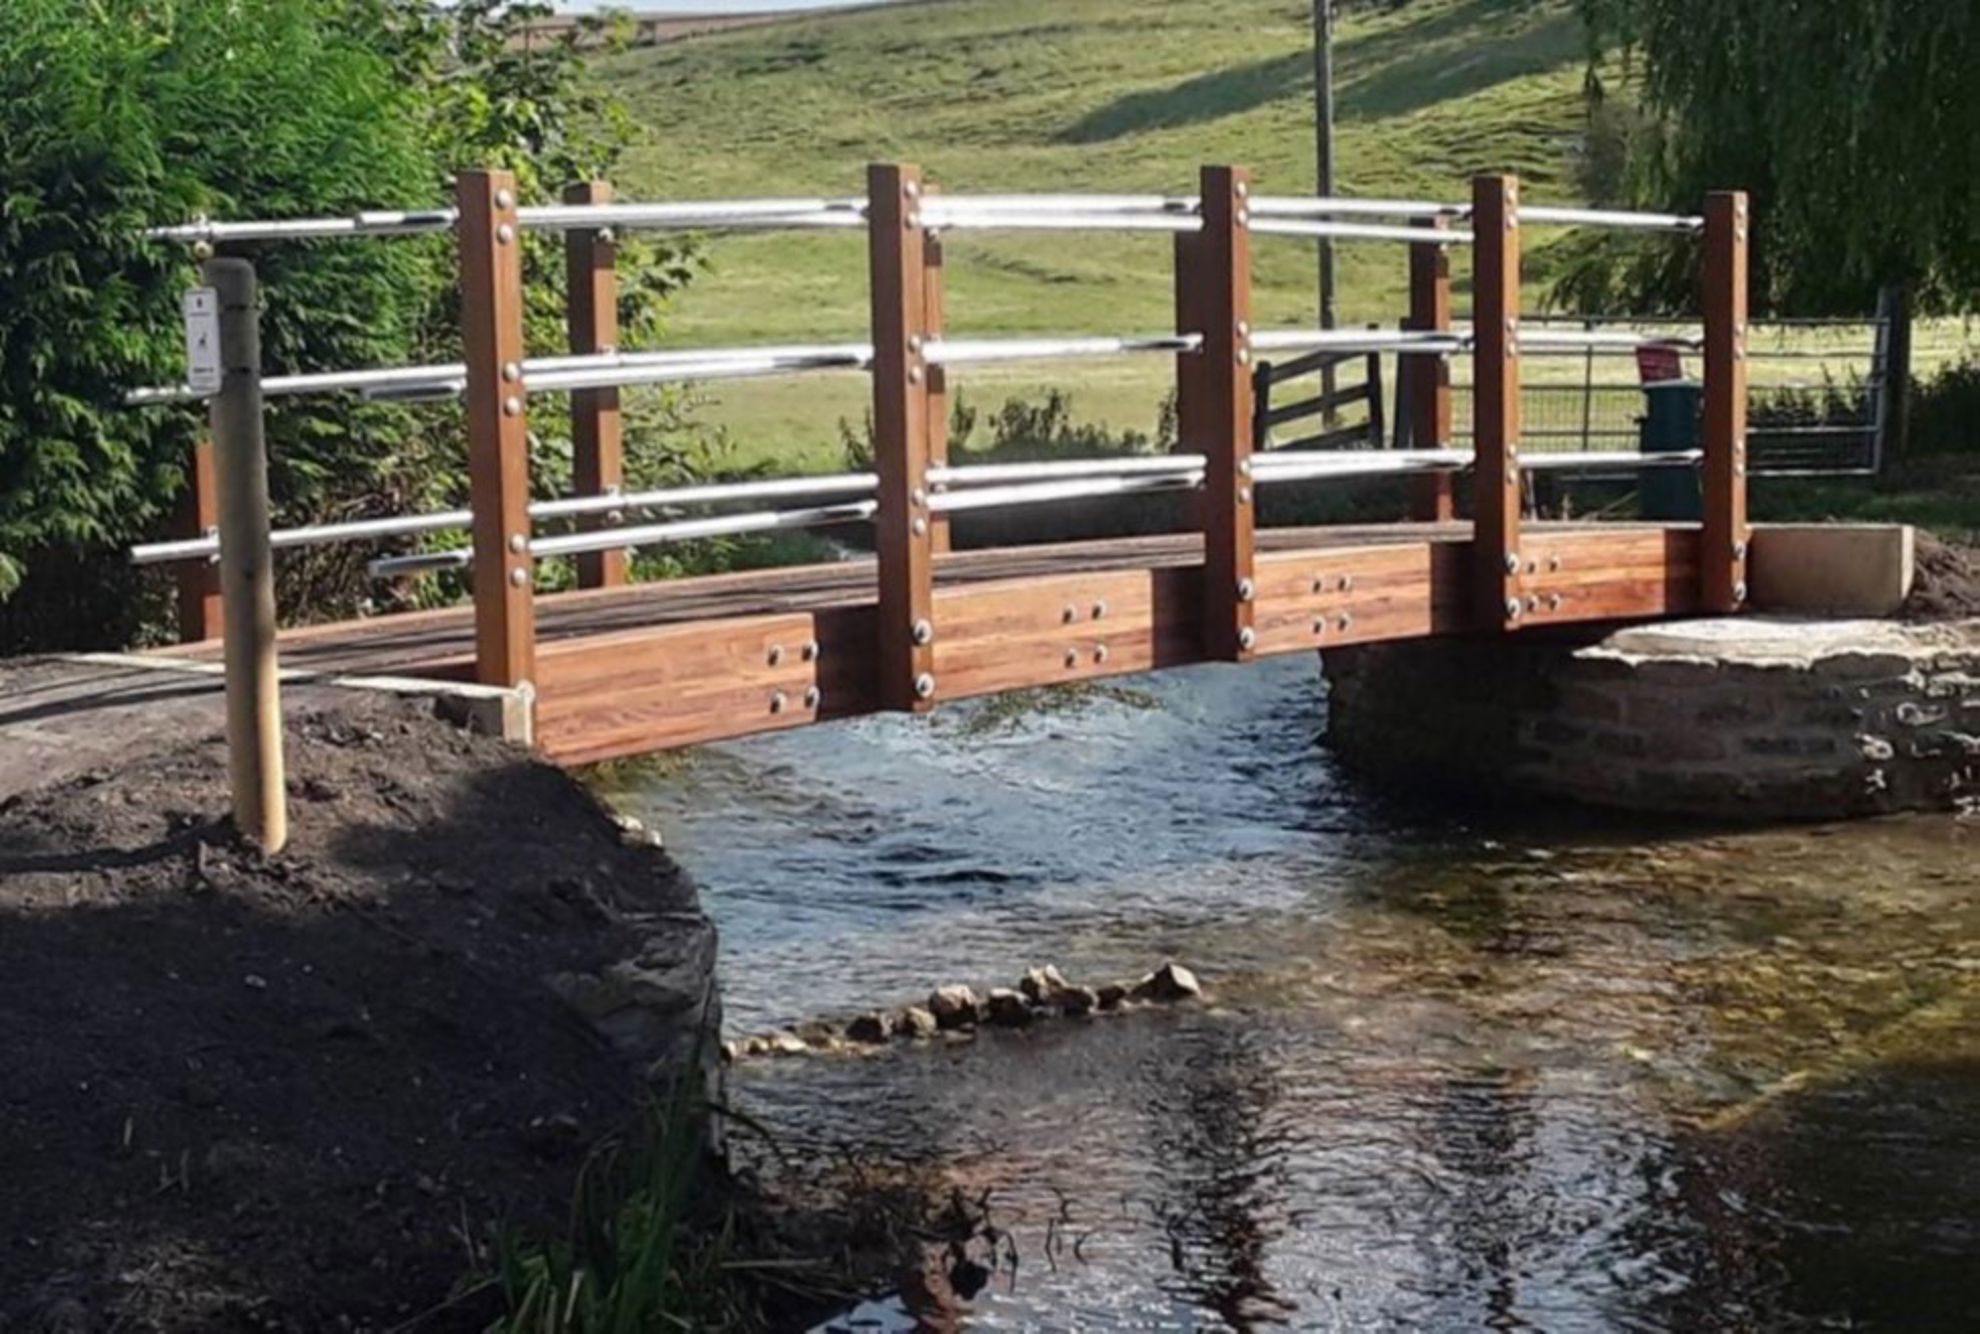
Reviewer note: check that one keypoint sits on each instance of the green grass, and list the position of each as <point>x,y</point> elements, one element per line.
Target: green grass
<point>1087,95</point>
<point>1070,95</point>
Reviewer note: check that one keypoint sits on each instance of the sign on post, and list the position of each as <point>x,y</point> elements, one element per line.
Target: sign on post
<point>202,309</point>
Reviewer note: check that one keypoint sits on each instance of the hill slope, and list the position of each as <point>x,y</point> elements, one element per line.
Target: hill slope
<point>1094,95</point>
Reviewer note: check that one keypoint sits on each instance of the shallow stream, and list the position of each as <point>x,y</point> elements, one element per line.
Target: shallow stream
<point>1526,1069</point>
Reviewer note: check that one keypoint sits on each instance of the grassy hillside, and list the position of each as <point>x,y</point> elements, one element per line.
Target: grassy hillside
<point>1077,95</point>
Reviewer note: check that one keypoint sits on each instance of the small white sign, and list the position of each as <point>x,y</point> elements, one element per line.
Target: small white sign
<point>203,371</point>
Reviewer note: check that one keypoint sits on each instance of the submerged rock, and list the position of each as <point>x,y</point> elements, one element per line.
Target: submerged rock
<point>1042,986</point>
<point>954,1007</point>
<point>1008,1009</point>
<point>870,1029</point>
<point>1111,996</point>
<point>1171,982</point>
<point>786,1044</point>
<point>915,1022</point>
<point>1076,1002</point>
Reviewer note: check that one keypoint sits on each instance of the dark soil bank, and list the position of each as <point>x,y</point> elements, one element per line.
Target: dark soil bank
<point>307,1092</point>
<point>1948,587</point>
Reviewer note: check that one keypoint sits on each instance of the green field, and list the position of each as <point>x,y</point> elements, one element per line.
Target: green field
<point>1075,95</point>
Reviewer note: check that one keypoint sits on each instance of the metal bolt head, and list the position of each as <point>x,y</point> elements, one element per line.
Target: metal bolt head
<point>1554,601</point>
<point>1244,495</point>
<point>1739,592</point>
<point>511,371</point>
<point>1244,468</point>
<point>920,527</point>
<point>1069,613</point>
<point>912,189</point>
<point>1347,583</point>
<point>518,543</point>
<point>606,235</point>
<point>1243,189</point>
<point>813,697</point>
<point>1512,609</point>
<point>1244,356</point>
<point>923,633</point>
<point>775,655</point>
<point>1247,639</point>
<point>924,686</point>
<point>1243,217</point>
<point>918,496</point>
<point>505,198</point>
<point>1099,609</point>
<point>778,700</point>
<point>1512,562</point>
<point>810,651</point>
<point>916,342</point>
<point>1244,328</point>
<point>1072,657</point>
<point>1099,653</point>
<point>1739,551</point>
<point>914,375</point>
<point>1346,622</point>
<point>1246,590</point>
<point>1319,625</point>
<point>519,577</point>
<point>512,406</point>
<point>504,234</point>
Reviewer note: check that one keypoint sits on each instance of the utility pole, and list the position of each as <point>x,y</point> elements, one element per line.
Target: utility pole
<point>1323,109</point>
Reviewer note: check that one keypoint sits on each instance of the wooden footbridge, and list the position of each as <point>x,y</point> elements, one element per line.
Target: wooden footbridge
<point>617,668</point>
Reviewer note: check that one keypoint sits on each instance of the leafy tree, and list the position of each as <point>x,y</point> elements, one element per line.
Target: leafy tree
<point>1851,121</point>
<point>118,114</point>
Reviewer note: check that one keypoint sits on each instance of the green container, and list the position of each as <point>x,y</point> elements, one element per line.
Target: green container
<point>1671,425</point>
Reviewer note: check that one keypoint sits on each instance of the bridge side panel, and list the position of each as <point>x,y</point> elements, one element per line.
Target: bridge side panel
<point>1014,634</point>
<point>605,697</point>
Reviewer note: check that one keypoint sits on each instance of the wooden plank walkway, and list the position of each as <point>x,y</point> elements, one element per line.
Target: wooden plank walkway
<point>623,671</point>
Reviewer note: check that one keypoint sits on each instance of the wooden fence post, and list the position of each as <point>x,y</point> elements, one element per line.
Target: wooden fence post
<point>200,617</point>
<point>1224,416</point>
<point>904,531</point>
<point>247,564</point>
<point>1500,578</point>
<point>1725,539</point>
<point>1431,495</point>
<point>498,430</point>
<point>597,443</point>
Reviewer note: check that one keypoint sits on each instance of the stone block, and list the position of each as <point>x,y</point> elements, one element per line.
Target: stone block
<point>1832,569</point>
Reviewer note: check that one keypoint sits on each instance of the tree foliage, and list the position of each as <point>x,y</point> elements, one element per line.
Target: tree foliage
<point>118,114</point>
<point>1853,122</point>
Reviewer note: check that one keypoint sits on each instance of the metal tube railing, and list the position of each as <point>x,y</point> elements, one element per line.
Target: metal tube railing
<point>1548,216</point>
<point>941,216</point>
<point>985,474</point>
<point>1350,341</point>
<point>685,530</point>
<point>1359,231</point>
<point>1037,493</point>
<point>1293,206</point>
<point>961,351</point>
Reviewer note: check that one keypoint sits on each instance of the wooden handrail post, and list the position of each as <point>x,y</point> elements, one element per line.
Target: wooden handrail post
<point>1428,378</point>
<point>904,531</point>
<point>200,617</point>
<point>247,564</point>
<point>1225,417</point>
<point>498,430</point>
<point>1500,574</point>
<point>1726,535</point>
<point>597,440</point>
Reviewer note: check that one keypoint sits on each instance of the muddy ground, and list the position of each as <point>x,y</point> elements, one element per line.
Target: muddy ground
<point>1948,583</point>
<point>303,1092</point>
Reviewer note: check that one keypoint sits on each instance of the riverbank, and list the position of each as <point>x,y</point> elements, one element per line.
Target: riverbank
<point>314,1090</point>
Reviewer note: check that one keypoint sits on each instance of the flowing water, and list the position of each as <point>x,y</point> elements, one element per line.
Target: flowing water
<point>1455,1071</point>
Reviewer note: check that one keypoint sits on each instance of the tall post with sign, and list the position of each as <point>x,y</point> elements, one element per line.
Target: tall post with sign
<point>223,345</point>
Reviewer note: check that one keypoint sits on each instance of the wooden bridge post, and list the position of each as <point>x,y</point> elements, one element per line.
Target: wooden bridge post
<point>904,531</point>
<point>1222,416</point>
<point>498,433</point>
<point>1431,495</point>
<point>597,444</point>
<point>1500,574</point>
<point>1726,534</point>
<point>200,617</point>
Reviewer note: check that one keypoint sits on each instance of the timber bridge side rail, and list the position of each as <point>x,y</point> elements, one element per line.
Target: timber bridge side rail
<point>617,668</point>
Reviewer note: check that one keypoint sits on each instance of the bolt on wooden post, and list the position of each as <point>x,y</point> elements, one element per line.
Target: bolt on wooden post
<point>1222,416</point>
<point>1501,584</point>
<point>1726,536</point>
<point>904,528</point>
<point>498,430</point>
<point>247,566</point>
<point>597,437</point>
<point>1431,496</point>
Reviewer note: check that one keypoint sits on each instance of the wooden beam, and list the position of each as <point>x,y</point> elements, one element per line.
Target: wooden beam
<point>1223,419</point>
<point>597,438</point>
<point>200,616</point>
<point>1432,495</point>
<point>898,255</point>
<point>1496,557</point>
<point>498,436</point>
<point>1727,535</point>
